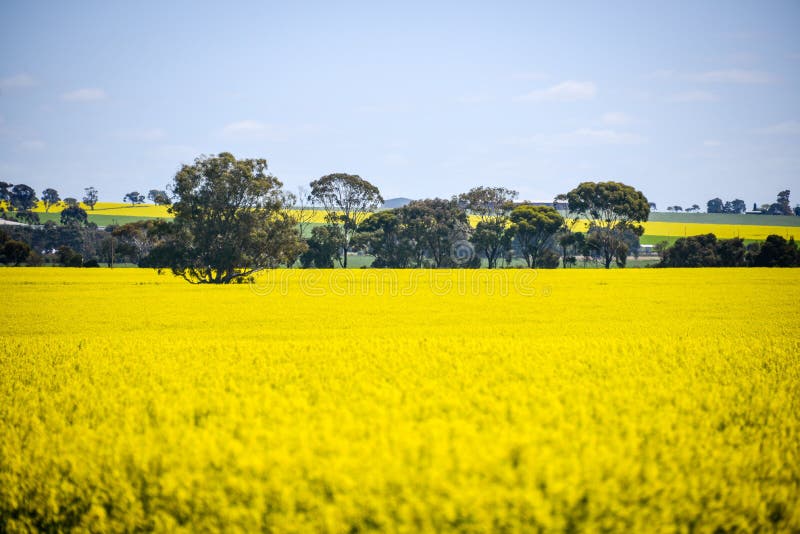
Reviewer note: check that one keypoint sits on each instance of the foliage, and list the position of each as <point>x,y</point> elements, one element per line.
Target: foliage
<point>229,222</point>
<point>27,217</point>
<point>74,216</point>
<point>90,197</point>
<point>137,239</point>
<point>159,197</point>
<point>438,230</point>
<point>715,205</point>
<point>703,251</point>
<point>384,235</point>
<point>68,257</point>
<point>348,199</point>
<point>134,197</point>
<point>782,205</point>
<point>613,208</point>
<point>23,198</point>
<point>491,240</point>
<point>5,192</point>
<point>14,252</point>
<point>465,401</point>
<point>492,206</point>
<point>50,198</point>
<point>324,246</point>
<point>533,228</point>
<point>774,252</point>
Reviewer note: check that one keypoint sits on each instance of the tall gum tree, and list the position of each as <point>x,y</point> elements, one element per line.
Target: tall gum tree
<point>611,208</point>
<point>348,200</point>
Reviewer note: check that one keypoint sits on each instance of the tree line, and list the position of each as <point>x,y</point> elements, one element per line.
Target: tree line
<point>781,206</point>
<point>232,218</point>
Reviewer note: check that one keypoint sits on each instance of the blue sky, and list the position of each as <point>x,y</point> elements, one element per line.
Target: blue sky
<point>686,101</point>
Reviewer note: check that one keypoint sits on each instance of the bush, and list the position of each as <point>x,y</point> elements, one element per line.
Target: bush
<point>68,257</point>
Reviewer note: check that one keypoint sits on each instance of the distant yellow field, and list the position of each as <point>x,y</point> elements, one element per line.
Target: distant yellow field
<point>116,208</point>
<point>631,400</point>
<point>723,231</point>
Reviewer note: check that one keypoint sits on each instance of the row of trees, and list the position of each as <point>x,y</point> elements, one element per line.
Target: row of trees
<point>21,199</point>
<point>781,206</point>
<point>232,219</point>
<point>708,251</point>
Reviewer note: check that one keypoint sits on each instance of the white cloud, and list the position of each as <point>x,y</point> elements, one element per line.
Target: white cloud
<point>32,145</point>
<point>17,81</point>
<point>734,76</point>
<point>568,91</point>
<point>693,96</point>
<point>84,95</point>
<point>712,143</point>
<point>783,128</point>
<point>616,118</point>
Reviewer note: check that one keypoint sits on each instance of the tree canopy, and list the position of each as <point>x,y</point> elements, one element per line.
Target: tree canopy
<point>533,227</point>
<point>348,199</point>
<point>229,222</point>
<point>612,208</point>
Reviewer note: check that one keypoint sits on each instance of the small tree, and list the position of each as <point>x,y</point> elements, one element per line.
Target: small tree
<point>492,206</point>
<point>15,252</point>
<point>612,208</point>
<point>159,197</point>
<point>715,205</point>
<point>324,246</point>
<point>533,227</point>
<point>781,206</point>
<point>5,192</point>
<point>71,202</point>
<point>23,198</point>
<point>50,198</point>
<point>74,216</point>
<point>134,198</point>
<point>348,199</point>
<point>90,197</point>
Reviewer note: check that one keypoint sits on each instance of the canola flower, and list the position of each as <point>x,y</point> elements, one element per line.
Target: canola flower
<point>401,401</point>
<point>652,228</point>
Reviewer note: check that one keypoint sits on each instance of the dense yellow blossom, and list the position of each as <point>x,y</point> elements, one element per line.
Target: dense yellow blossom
<point>403,401</point>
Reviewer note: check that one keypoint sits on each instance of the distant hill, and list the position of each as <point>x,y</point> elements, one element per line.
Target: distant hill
<point>395,203</point>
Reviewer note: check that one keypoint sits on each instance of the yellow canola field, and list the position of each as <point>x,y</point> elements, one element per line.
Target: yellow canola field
<point>722,231</point>
<point>115,208</point>
<point>401,401</point>
<point>151,210</point>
